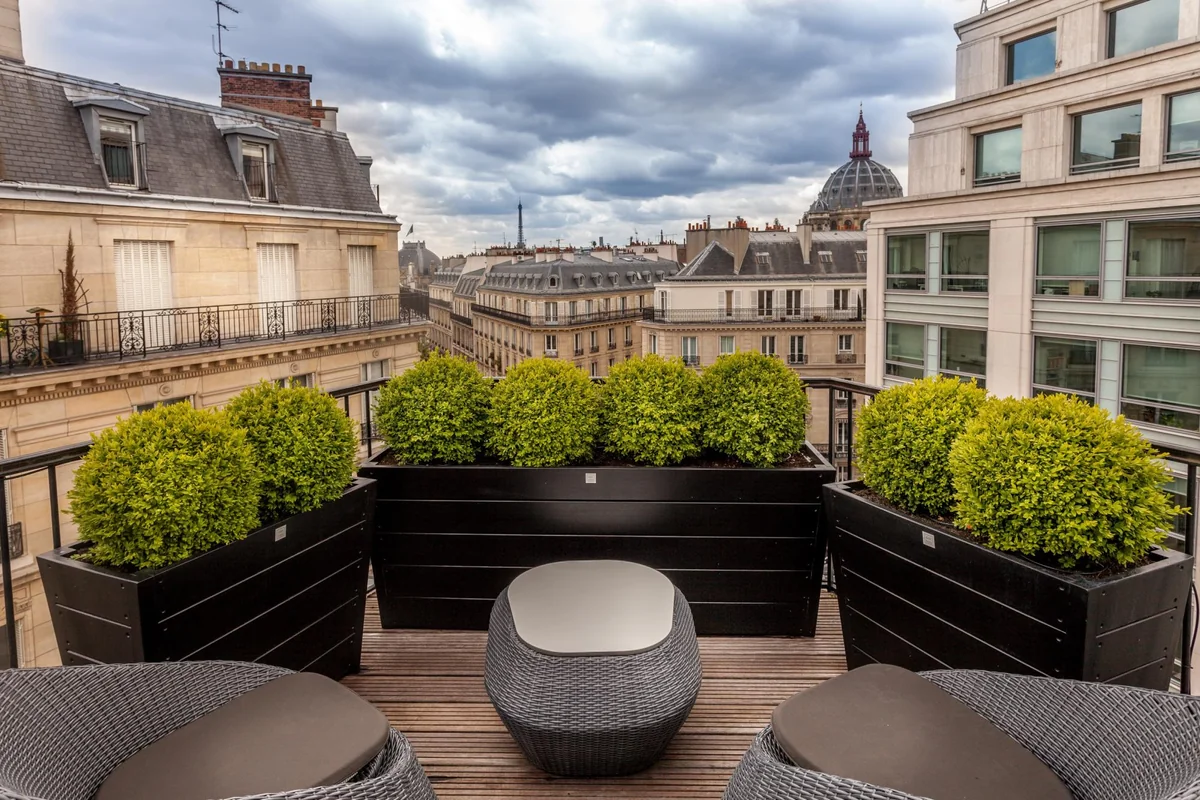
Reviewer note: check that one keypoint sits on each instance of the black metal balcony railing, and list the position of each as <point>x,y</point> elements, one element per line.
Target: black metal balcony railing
<point>691,361</point>
<point>556,320</point>
<point>437,303</point>
<point>847,358</point>
<point>797,358</point>
<point>458,318</point>
<point>45,342</point>
<point>716,316</point>
<point>259,178</point>
<point>124,164</point>
<point>629,342</point>
<point>612,345</point>
<point>595,348</point>
<point>578,351</point>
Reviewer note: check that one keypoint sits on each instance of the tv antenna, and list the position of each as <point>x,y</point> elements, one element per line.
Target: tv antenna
<point>221,28</point>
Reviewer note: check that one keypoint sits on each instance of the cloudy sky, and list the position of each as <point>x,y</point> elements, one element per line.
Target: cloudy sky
<point>605,116</point>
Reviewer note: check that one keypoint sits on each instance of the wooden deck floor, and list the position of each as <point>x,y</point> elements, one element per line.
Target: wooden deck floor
<point>430,685</point>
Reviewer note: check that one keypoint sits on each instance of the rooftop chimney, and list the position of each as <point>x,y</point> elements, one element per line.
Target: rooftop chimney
<point>264,86</point>
<point>10,31</point>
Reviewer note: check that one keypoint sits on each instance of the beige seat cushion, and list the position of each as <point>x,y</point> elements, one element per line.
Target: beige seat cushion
<point>889,727</point>
<point>592,607</point>
<point>296,732</point>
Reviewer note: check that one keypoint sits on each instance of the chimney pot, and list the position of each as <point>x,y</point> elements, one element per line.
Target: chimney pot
<point>274,68</point>
<point>228,63</point>
<point>241,64</point>
<point>265,66</point>
<point>320,103</point>
<point>254,65</point>
<point>287,68</point>
<point>300,69</point>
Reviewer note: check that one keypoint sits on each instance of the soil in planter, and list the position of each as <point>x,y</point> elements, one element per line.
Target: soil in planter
<point>800,460</point>
<point>946,525</point>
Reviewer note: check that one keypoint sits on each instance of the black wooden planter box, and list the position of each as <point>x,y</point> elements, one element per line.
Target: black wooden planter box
<point>744,545</point>
<point>914,595</point>
<point>290,594</point>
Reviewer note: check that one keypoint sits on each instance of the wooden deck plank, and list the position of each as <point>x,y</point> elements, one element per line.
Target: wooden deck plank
<point>430,685</point>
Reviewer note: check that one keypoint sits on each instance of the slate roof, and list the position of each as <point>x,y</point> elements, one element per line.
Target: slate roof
<point>43,141</point>
<point>424,261</point>
<point>771,255</point>
<point>859,180</point>
<point>585,275</point>
<point>468,284</point>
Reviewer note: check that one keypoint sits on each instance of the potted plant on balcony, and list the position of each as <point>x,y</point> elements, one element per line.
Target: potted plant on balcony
<point>66,342</point>
<point>1007,535</point>
<point>238,534</point>
<point>707,478</point>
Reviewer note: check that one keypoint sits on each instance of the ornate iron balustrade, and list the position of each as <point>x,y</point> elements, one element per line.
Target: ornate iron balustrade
<point>45,342</point>
<point>720,316</point>
<point>558,320</point>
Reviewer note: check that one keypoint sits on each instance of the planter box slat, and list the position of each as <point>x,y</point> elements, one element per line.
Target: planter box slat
<point>255,600</point>
<point>449,539</point>
<point>916,596</point>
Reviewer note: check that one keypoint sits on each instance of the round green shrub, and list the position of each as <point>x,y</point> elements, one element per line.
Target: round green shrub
<point>904,438</point>
<point>650,411</point>
<point>543,414</point>
<point>753,408</point>
<point>435,412</point>
<point>164,485</point>
<point>305,447</point>
<point>1053,476</point>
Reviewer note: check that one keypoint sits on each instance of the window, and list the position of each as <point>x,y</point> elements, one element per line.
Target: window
<point>595,371</point>
<point>766,298</point>
<point>362,270</point>
<point>796,350</point>
<point>662,302</point>
<point>579,344</point>
<point>551,310</point>
<point>612,338</point>
<point>691,351</point>
<point>841,299</point>
<point>845,343</point>
<point>573,309</point>
<point>1183,127</point>
<point>768,345</point>
<point>256,170</point>
<point>1064,366</point>
<point>276,273</point>
<point>1140,25</point>
<point>1177,489</point>
<point>906,260</point>
<point>1069,261</point>
<point>551,344</point>
<point>372,371</point>
<point>611,362</point>
<point>654,343</point>
<point>1107,139</point>
<point>963,354</point>
<point>158,403</point>
<point>965,261</point>
<point>1032,57</point>
<point>624,303</point>
<point>607,304</point>
<point>797,305</point>
<point>144,283</point>
<point>553,281</point>
<point>905,356</point>
<point>595,341</point>
<point>729,302</point>
<point>842,437</point>
<point>589,307</point>
<point>726,346</point>
<point>1164,260</point>
<point>628,335</point>
<point>1161,386</point>
<point>118,151</point>
<point>998,157</point>
<point>306,381</point>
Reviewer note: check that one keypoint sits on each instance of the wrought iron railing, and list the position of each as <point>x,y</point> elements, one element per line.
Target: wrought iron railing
<point>556,320</point>
<point>44,341</point>
<point>715,316</point>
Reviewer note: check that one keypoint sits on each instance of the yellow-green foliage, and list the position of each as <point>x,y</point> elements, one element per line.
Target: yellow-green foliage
<point>904,439</point>
<point>435,412</point>
<point>650,411</point>
<point>543,414</point>
<point>164,485</point>
<point>754,409</point>
<point>304,445</point>
<point>1055,476</point>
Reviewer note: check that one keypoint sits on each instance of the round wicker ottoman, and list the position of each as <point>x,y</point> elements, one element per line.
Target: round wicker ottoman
<point>592,665</point>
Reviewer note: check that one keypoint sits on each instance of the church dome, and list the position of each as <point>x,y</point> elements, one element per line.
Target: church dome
<point>859,180</point>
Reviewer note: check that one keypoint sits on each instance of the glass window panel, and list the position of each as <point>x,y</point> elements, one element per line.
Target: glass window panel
<point>1032,57</point>
<point>964,351</point>
<point>1161,386</point>
<point>906,257</point>
<point>1177,493</point>
<point>905,350</point>
<point>1164,260</point>
<point>726,345</point>
<point>116,145</point>
<point>1070,253</point>
<point>1068,364</point>
<point>998,157</point>
<point>965,261</point>
<point>1141,25</point>
<point>1183,127</point>
<point>1107,139</point>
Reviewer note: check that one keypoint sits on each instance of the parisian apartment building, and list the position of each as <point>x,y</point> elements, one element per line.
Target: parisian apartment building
<point>213,246</point>
<point>1050,240</point>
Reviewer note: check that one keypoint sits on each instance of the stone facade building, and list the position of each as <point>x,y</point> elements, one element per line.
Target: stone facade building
<point>213,247</point>
<point>839,206</point>
<point>418,264</point>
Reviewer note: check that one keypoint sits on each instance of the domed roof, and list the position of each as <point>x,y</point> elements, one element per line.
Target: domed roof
<point>859,180</point>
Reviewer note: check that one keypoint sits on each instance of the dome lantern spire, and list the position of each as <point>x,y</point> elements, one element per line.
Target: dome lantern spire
<point>862,138</point>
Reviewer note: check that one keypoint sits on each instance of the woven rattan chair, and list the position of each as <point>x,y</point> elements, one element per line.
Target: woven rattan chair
<point>592,715</point>
<point>1104,742</point>
<point>63,730</point>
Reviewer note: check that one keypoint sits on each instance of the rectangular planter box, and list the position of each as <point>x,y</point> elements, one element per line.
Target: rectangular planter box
<point>744,545</point>
<point>290,594</point>
<point>916,596</point>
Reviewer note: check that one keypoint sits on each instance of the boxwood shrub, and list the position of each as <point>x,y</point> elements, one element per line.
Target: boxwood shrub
<point>753,408</point>
<point>543,414</point>
<point>164,485</point>
<point>650,411</point>
<point>1055,477</point>
<point>435,412</point>
<point>904,438</point>
<point>304,445</point>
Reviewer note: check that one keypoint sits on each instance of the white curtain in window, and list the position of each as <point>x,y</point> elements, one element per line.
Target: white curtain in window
<point>143,272</point>
<point>362,271</point>
<point>277,273</point>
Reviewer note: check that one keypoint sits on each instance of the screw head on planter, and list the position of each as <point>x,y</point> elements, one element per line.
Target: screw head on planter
<point>753,408</point>
<point>543,414</point>
<point>650,411</point>
<point>904,438</point>
<point>435,412</point>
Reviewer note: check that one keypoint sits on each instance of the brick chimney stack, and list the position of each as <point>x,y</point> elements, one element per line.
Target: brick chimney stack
<point>268,87</point>
<point>10,31</point>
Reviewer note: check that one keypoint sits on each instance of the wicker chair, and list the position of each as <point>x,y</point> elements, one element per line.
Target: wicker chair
<point>63,730</point>
<point>592,716</point>
<point>1104,742</point>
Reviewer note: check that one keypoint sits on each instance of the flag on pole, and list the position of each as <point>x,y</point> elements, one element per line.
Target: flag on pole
<point>410,230</point>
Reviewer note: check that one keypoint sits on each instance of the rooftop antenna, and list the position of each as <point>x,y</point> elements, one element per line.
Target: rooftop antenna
<point>221,28</point>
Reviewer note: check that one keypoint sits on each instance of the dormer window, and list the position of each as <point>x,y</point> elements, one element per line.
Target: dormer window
<point>118,146</point>
<point>256,170</point>
<point>553,281</point>
<point>762,259</point>
<point>113,128</point>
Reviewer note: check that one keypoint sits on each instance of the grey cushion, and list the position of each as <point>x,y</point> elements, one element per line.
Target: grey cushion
<point>295,732</point>
<point>889,727</point>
